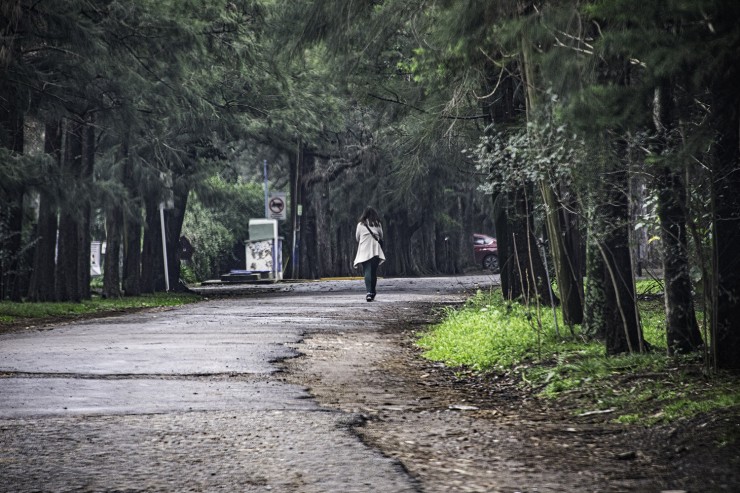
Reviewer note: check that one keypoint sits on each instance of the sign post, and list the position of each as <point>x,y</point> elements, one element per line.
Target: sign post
<point>276,206</point>
<point>164,246</point>
<point>168,203</point>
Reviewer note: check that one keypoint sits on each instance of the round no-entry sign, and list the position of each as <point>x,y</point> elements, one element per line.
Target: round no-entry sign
<point>276,207</point>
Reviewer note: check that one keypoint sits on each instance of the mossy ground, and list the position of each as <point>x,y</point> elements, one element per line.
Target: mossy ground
<point>493,335</point>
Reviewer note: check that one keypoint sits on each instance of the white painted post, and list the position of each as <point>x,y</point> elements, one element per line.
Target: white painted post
<point>164,247</point>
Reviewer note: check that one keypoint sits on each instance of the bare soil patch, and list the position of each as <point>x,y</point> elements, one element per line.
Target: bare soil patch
<point>457,432</point>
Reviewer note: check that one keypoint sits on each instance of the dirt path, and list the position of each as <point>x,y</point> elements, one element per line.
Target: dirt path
<point>307,388</point>
<point>468,435</point>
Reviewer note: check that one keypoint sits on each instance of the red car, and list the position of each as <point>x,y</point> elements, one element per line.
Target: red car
<point>486,251</point>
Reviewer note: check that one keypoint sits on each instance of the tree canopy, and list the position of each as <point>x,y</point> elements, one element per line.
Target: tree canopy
<point>594,138</point>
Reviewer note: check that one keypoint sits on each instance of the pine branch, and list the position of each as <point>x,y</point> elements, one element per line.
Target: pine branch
<point>421,110</point>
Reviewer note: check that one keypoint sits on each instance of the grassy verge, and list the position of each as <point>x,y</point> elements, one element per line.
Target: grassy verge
<point>490,334</point>
<point>14,314</point>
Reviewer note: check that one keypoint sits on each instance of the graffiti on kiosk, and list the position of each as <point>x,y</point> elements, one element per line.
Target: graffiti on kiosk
<point>259,256</point>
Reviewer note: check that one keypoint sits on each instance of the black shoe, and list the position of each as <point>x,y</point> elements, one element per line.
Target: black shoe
<point>369,297</point>
<point>372,296</point>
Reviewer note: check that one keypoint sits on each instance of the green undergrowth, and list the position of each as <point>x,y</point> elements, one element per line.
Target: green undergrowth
<point>491,334</point>
<point>12,313</point>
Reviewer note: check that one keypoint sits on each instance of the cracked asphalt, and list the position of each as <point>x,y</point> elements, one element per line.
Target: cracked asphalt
<point>194,398</point>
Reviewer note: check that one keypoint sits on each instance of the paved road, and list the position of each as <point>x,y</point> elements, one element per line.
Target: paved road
<point>192,399</point>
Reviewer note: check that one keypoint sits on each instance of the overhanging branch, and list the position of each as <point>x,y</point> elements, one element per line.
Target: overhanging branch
<point>422,110</point>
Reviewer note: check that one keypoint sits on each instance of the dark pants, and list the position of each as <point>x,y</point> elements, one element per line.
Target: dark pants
<point>370,268</point>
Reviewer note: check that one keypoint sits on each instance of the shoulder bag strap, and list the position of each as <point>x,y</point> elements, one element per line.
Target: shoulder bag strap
<point>371,233</point>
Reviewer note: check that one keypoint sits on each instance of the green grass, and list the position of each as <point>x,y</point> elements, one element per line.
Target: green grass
<point>649,287</point>
<point>490,334</point>
<point>13,313</point>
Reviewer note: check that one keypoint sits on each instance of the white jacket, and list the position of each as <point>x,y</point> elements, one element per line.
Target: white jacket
<point>368,247</point>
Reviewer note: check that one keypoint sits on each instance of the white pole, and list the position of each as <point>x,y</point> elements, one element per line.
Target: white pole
<point>267,205</point>
<point>164,247</point>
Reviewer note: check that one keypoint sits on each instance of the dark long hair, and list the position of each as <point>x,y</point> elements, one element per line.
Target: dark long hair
<point>370,217</point>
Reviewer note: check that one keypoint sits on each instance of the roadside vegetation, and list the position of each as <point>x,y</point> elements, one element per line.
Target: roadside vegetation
<point>14,314</point>
<point>493,335</point>
<point>600,125</point>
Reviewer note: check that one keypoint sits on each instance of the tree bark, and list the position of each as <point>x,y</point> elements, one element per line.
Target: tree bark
<point>322,229</point>
<point>111,274</point>
<point>594,296</point>
<point>503,239</point>
<point>610,226</point>
<point>11,138</point>
<point>564,248</point>
<point>620,317</point>
<point>726,116</point>
<point>132,225</point>
<point>152,264</point>
<point>464,248</point>
<point>309,252</point>
<point>527,276</point>
<point>173,230</point>
<point>295,200</point>
<point>152,277</point>
<point>87,166</point>
<point>42,278</point>
<point>682,329</point>
<point>132,235</point>
<point>569,280</point>
<point>67,272</point>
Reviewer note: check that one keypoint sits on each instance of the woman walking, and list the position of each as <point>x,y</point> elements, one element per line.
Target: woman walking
<point>369,235</point>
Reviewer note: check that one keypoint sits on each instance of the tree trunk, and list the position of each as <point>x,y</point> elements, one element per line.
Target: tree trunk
<point>42,277</point>
<point>594,324</point>
<point>173,230</point>
<point>465,246</point>
<point>152,277</point>
<point>343,261</point>
<point>525,270</point>
<point>132,235</point>
<point>506,258</point>
<point>726,114</point>
<point>11,138</point>
<point>111,274</point>
<point>521,266</point>
<point>398,245</point>
<point>113,225</point>
<point>594,296</point>
<point>295,200</point>
<point>67,272</point>
<point>621,325</point>
<point>611,226</point>
<point>411,246</point>
<point>322,227</point>
<point>506,110</point>
<point>575,244</point>
<point>564,249</point>
<point>132,226</point>
<point>87,165</point>
<point>309,254</point>
<point>682,329</point>
<point>429,248</point>
<point>570,283</point>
